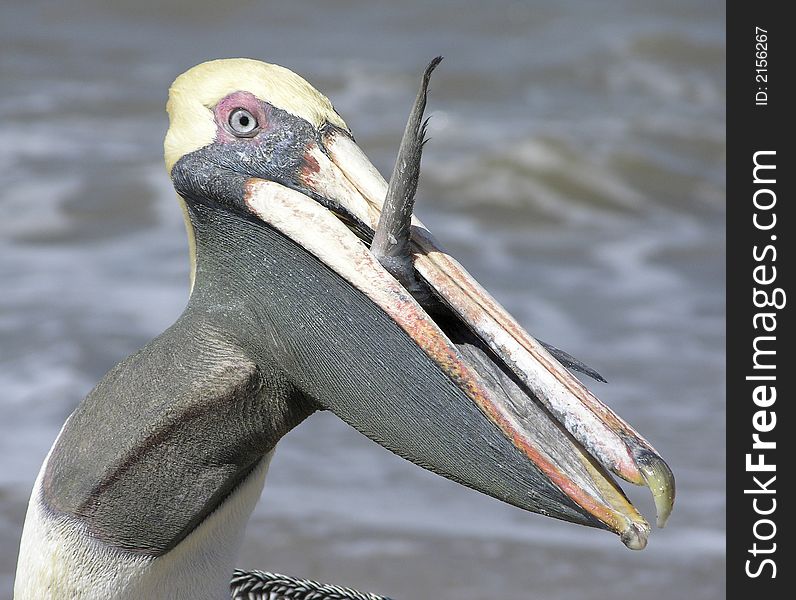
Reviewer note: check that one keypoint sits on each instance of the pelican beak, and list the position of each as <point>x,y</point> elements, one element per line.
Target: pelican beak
<point>520,427</point>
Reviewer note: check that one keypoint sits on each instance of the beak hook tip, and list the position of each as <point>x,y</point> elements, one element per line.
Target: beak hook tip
<point>660,480</point>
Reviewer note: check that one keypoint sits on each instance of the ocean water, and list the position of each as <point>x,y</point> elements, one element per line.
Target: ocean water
<point>576,168</point>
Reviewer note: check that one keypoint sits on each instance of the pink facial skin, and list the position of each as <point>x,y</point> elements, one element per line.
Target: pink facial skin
<point>229,104</point>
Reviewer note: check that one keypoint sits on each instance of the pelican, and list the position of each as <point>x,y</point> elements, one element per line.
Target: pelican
<point>309,292</point>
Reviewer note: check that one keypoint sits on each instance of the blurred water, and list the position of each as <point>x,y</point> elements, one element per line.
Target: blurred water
<point>584,141</point>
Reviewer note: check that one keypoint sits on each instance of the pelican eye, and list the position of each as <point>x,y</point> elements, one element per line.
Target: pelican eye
<point>242,122</point>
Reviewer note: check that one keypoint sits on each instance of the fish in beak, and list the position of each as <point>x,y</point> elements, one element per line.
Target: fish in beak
<point>474,397</point>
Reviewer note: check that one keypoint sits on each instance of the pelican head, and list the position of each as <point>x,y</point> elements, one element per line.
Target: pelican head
<point>481,401</point>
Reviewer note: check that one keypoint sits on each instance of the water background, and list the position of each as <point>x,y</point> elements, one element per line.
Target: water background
<point>576,168</point>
